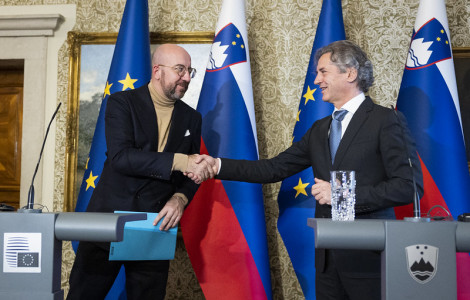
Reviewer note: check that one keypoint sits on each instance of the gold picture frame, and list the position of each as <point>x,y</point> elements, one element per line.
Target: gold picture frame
<point>76,40</point>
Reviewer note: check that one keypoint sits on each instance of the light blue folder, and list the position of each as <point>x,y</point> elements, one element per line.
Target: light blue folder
<point>143,241</point>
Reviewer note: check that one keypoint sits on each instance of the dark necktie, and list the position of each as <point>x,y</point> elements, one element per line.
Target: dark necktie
<point>335,131</point>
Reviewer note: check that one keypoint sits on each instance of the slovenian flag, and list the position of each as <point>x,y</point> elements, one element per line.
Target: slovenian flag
<point>130,68</point>
<point>224,226</point>
<point>428,98</point>
<point>296,204</point>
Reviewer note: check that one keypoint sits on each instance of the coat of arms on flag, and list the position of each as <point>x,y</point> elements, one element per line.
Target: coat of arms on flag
<point>429,45</point>
<point>228,49</point>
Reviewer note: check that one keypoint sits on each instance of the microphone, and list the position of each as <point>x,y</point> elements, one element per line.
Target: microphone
<point>29,207</point>
<point>416,204</point>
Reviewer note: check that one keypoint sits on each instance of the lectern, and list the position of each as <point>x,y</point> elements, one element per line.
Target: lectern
<point>31,245</point>
<point>418,258</point>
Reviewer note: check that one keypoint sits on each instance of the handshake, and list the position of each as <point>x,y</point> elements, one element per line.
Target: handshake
<point>201,167</point>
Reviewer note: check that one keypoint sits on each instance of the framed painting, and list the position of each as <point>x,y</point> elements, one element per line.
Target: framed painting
<point>90,56</point>
<point>462,74</point>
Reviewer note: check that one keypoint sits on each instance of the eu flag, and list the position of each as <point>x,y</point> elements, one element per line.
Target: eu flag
<point>296,204</point>
<point>428,99</point>
<point>224,226</point>
<point>130,68</point>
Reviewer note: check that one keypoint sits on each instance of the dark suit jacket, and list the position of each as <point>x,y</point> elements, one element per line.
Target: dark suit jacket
<point>135,176</point>
<point>375,145</point>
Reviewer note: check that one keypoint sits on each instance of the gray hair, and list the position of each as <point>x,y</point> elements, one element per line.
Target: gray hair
<point>345,55</point>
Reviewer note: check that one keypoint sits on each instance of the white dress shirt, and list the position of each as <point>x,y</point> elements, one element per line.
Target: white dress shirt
<point>351,106</point>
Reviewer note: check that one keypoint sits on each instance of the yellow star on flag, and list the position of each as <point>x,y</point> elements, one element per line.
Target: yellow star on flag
<point>309,95</point>
<point>128,82</point>
<point>300,188</point>
<point>107,90</point>
<point>86,165</point>
<point>298,116</point>
<point>90,181</point>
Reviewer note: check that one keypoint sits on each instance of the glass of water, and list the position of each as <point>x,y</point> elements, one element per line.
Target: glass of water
<point>343,195</point>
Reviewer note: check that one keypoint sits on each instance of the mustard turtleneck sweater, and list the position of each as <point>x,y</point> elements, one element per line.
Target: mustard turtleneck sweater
<point>164,110</point>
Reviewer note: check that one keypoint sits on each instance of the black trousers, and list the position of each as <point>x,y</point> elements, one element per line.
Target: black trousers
<point>93,275</point>
<point>334,285</point>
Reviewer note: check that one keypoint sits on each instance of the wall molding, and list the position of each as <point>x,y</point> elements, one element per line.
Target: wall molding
<point>29,25</point>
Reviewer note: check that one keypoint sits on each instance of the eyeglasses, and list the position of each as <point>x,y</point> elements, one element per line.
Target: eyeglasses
<point>181,70</point>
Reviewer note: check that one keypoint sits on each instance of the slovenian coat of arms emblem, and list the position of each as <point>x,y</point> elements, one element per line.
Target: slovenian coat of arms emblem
<point>422,262</point>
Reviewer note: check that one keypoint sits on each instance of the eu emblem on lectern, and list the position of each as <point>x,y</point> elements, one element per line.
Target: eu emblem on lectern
<point>22,252</point>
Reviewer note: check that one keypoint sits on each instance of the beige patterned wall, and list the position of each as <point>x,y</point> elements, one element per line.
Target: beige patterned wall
<point>281,34</point>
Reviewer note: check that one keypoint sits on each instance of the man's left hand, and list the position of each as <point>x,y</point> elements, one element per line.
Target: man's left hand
<point>171,212</point>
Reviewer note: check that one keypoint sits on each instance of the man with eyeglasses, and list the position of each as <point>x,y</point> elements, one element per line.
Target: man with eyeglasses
<point>152,138</point>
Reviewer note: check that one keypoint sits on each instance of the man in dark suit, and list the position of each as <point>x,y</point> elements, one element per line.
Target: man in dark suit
<point>373,141</point>
<point>151,137</point>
